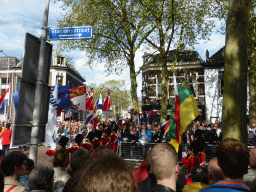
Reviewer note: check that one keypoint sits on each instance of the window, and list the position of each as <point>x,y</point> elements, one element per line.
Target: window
<point>194,85</point>
<point>59,78</point>
<point>4,80</point>
<point>159,88</point>
<point>60,61</point>
<point>221,83</point>
<point>2,91</point>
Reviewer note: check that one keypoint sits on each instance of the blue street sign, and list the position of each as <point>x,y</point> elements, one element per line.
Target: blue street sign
<point>62,33</point>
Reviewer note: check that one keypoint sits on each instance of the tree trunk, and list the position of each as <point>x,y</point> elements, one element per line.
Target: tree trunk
<point>134,84</point>
<point>164,99</point>
<point>235,72</point>
<point>252,84</point>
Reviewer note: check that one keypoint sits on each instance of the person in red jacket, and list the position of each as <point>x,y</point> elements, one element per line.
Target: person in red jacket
<point>114,139</point>
<point>88,145</point>
<point>106,140</point>
<point>195,157</point>
<point>6,138</point>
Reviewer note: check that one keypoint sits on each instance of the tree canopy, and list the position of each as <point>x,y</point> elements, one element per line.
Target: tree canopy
<point>174,22</point>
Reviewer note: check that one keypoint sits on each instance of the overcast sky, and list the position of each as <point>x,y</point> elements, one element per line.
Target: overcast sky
<point>20,16</point>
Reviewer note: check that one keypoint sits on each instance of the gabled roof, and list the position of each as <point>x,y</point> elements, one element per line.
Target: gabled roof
<point>184,56</point>
<point>217,59</point>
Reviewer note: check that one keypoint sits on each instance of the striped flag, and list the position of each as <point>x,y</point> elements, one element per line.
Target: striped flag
<point>4,100</point>
<point>183,112</point>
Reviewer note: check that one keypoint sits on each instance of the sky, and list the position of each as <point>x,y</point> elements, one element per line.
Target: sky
<point>20,16</point>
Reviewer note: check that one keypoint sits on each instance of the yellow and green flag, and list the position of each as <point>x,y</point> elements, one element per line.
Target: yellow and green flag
<point>183,114</point>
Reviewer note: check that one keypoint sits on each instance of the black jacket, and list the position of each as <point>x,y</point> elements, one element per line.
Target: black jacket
<point>161,188</point>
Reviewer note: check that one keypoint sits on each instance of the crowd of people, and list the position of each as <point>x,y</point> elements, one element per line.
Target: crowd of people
<point>106,171</point>
<point>93,164</point>
<point>129,131</point>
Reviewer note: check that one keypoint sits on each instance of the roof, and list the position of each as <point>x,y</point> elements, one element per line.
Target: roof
<point>184,56</point>
<point>217,59</point>
<point>68,66</point>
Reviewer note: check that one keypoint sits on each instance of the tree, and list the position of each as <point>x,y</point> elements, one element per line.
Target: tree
<point>235,71</point>
<point>222,14</point>
<point>174,22</point>
<point>115,41</point>
<point>252,70</point>
<point>120,98</point>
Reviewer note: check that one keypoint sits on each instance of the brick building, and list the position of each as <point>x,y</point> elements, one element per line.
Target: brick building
<point>189,65</point>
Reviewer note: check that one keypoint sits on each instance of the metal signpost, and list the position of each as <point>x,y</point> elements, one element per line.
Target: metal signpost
<point>42,75</point>
<point>70,33</point>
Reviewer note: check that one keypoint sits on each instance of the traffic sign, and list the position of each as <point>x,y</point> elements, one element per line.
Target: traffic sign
<point>61,33</point>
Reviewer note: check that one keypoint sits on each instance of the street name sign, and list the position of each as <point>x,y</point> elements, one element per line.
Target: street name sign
<point>65,33</point>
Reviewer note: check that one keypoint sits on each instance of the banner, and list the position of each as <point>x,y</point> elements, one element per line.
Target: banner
<point>51,126</point>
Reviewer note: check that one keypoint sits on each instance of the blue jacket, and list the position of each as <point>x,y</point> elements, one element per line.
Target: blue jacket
<point>148,135</point>
<point>227,186</point>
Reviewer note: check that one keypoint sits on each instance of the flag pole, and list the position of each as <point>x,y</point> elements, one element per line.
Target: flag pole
<point>70,129</point>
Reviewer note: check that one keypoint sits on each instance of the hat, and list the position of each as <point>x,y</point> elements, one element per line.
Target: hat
<point>198,133</point>
<point>63,141</point>
<point>79,138</point>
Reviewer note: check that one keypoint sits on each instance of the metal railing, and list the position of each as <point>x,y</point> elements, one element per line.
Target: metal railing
<point>138,151</point>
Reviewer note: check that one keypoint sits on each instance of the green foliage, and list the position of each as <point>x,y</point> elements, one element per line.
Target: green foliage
<point>174,22</point>
<point>115,42</point>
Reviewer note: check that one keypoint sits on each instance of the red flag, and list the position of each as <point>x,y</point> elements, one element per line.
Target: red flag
<point>89,100</point>
<point>77,91</point>
<point>177,117</point>
<point>94,122</point>
<point>106,102</point>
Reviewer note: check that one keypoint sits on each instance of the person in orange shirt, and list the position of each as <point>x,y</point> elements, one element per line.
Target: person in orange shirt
<point>6,138</point>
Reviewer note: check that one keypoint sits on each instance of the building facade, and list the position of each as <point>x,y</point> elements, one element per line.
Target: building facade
<point>189,65</point>
<point>214,84</point>
<point>206,80</point>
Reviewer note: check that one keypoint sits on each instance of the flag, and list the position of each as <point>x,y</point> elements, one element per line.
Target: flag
<point>106,102</point>
<point>89,100</point>
<point>99,103</point>
<point>95,123</point>
<point>51,127</point>
<point>63,99</point>
<point>183,112</point>
<point>16,100</point>
<point>89,118</point>
<point>93,114</point>
<point>67,115</point>
<point>82,127</point>
<point>77,98</point>
<point>166,126</point>
<point>4,100</point>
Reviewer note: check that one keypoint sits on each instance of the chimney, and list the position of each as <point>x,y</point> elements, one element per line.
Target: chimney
<point>182,47</point>
<point>207,55</point>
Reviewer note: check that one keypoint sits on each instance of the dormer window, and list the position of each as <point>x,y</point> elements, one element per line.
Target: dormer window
<point>60,61</point>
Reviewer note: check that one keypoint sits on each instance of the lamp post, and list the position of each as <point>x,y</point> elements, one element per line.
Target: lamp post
<point>7,82</point>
